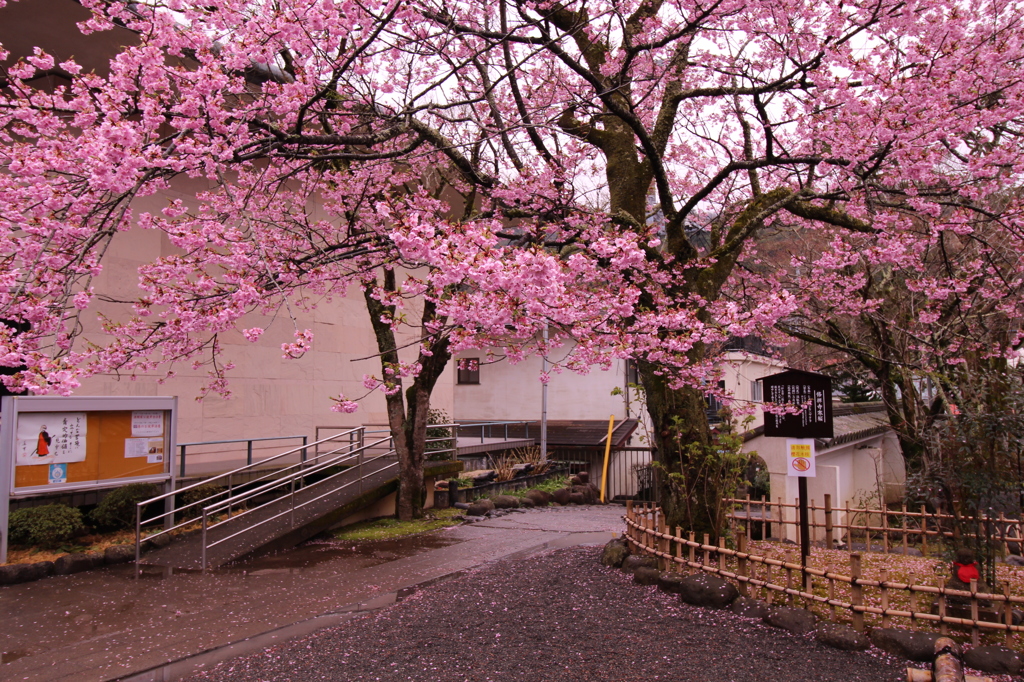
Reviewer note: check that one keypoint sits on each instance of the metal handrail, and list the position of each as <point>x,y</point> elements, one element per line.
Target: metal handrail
<point>247,441</point>
<point>483,425</point>
<point>226,504</point>
<point>227,475</point>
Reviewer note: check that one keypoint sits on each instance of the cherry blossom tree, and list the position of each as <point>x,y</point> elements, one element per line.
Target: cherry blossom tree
<point>607,168</point>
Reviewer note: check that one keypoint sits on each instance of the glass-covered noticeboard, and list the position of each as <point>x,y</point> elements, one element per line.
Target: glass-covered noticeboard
<point>64,444</point>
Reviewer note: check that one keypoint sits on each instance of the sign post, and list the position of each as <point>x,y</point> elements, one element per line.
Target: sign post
<point>813,394</point>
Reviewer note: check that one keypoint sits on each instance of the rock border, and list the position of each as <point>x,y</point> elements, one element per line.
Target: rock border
<point>706,590</point>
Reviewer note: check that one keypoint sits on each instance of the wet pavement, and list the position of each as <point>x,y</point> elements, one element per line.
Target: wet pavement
<point>106,624</point>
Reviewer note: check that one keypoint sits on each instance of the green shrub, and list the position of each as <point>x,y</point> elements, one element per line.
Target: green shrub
<point>195,495</point>
<point>47,526</point>
<point>116,511</point>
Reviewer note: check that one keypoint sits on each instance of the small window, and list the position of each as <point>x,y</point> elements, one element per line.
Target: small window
<point>755,391</point>
<point>469,371</point>
<point>632,375</point>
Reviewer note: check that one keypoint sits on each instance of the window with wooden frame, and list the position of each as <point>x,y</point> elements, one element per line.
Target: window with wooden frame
<point>469,371</point>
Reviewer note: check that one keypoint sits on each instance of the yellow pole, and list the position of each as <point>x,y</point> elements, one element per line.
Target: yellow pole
<point>607,454</point>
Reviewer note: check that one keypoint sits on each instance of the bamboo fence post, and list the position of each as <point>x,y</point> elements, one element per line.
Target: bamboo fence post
<point>721,555</point>
<point>693,558</point>
<point>782,520</point>
<point>679,549</point>
<point>832,596</point>
<point>1007,615</point>
<point>741,562</point>
<point>943,628</point>
<point>856,592</point>
<point>704,548</point>
<point>811,529</point>
<point>885,529</point>
<point>974,613</point>
<point>797,531</point>
<point>924,532</point>
<point>769,593</point>
<point>1002,533</point>
<point>829,531</point>
<point>664,544</point>
<point>903,525</point>
<point>884,587</point>
<point>913,598</point>
<point>849,527</point>
<point>788,558</point>
<point>766,528</point>
<point>748,530</point>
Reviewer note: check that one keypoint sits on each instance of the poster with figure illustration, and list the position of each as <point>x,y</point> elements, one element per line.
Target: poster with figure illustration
<point>50,438</point>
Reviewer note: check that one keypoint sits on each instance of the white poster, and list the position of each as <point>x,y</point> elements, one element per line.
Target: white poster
<point>800,458</point>
<point>50,438</point>
<point>150,448</point>
<point>147,423</point>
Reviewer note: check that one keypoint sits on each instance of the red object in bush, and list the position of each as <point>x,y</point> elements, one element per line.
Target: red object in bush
<point>967,572</point>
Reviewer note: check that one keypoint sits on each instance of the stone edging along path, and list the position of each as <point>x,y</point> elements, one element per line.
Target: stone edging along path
<point>709,591</point>
<point>12,574</point>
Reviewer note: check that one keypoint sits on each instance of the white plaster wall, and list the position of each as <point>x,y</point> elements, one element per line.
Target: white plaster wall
<point>272,396</point>
<point>739,372</point>
<point>510,392</point>
<point>847,473</point>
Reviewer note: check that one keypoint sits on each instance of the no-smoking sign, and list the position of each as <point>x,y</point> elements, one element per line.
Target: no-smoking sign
<point>800,457</point>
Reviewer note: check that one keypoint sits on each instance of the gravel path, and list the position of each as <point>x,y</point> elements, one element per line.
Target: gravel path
<point>557,616</point>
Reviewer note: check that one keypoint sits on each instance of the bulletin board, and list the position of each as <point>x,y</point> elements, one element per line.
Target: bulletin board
<point>66,444</point>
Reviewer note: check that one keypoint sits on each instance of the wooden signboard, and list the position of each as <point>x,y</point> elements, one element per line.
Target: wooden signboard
<point>795,387</point>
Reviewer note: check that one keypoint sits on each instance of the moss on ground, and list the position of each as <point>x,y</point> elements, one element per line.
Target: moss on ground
<point>390,528</point>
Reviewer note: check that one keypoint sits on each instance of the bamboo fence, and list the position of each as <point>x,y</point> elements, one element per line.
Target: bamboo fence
<point>876,601</point>
<point>888,528</point>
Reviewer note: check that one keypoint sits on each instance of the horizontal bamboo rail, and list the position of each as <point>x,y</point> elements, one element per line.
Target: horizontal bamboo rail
<point>893,527</point>
<point>647,532</point>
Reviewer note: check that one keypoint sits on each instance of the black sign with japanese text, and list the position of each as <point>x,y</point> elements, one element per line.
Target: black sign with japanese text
<point>811,391</point>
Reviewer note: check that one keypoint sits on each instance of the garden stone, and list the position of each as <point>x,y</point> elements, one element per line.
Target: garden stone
<point>588,495</point>
<point>584,477</point>
<point>575,481</point>
<point>916,646</point>
<point>75,563</point>
<point>505,501</point>
<point>796,621</point>
<point>539,497</point>
<point>12,574</point>
<point>521,469</point>
<point>561,496</point>
<point>840,636</point>
<point>118,554</point>
<point>646,575</point>
<point>461,505</point>
<point>996,660</point>
<point>526,502</point>
<point>634,561</point>
<point>750,608</point>
<point>615,552</point>
<point>160,540</point>
<point>669,581</point>
<point>709,591</point>
<point>1015,560</point>
<point>909,551</point>
<point>577,498</point>
<point>597,492</point>
<point>480,508</point>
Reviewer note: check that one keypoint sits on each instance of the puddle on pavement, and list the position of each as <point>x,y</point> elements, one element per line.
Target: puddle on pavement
<point>321,551</point>
<point>9,656</point>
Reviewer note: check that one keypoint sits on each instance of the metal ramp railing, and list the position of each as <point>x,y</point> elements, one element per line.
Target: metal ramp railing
<point>245,516</point>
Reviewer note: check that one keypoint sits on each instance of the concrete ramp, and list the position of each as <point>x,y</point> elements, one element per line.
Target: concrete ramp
<point>284,514</point>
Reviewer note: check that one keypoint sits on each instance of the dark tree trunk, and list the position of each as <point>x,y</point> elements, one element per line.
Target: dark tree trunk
<point>408,412</point>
